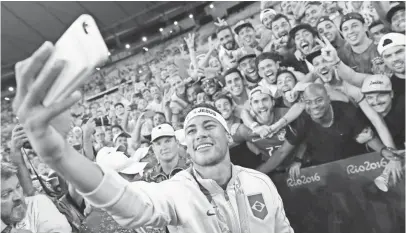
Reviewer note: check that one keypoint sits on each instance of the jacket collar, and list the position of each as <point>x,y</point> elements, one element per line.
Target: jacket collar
<point>212,185</point>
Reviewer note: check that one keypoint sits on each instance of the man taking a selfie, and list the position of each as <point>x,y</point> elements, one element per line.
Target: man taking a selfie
<point>212,196</point>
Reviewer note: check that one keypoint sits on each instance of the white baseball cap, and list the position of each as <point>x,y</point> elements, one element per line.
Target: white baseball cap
<point>109,157</point>
<point>140,153</point>
<point>161,131</point>
<point>266,12</point>
<point>376,83</point>
<point>390,40</point>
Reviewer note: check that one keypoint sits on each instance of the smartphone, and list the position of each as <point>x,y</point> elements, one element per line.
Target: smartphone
<point>83,49</point>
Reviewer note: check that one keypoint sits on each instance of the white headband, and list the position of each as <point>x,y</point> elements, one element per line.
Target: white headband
<point>205,112</point>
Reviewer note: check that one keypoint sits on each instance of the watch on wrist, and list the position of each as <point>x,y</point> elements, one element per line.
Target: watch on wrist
<point>297,160</point>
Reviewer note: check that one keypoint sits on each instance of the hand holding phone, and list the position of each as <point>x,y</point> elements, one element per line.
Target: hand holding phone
<point>83,49</point>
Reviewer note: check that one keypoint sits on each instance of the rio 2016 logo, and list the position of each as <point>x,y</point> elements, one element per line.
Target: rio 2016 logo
<point>366,166</point>
<point>303,180</point>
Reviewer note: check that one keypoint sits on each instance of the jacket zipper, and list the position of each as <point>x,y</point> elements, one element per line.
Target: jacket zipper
<point>234,225</point>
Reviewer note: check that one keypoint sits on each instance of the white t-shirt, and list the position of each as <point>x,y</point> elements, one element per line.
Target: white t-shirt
<point>42,216</point>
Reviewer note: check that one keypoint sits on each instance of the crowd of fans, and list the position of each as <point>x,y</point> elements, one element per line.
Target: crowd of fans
<point>313,82</point>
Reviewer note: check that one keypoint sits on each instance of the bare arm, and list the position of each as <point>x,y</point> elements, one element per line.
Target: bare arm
<point>88,130</point>
<point>18,138</point>
<point>125,119</point>
<point>349,75</point>
<point>136,134</point>
<point>23,174</point>
<point>292,114</point>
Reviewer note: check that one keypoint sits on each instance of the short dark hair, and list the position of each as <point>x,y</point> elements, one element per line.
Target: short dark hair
<point>282,71</point>
<point>117,126</point>
<point>230,71</point>
<point>222,28</point>
<point>279,16</point>
<point>160,113</point>
<point>268,55</point>
<point>222,95</point>
<point>375,23</point>
<point>118,104</point>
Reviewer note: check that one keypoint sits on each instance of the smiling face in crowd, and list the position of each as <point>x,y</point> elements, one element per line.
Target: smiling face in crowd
<point>285,82</point>
<point>266,21</point>
<point>13,206</point>
<point>394,58</point>
<point>226,38</point>
<point>158,119</point>
<point>214,63</point>
<point>176,83</point>
<point>398,21</point>
<point>354,32</point>
<point>313,14</point>
<point>286,7</point>
<point>247,36</point>
<point>225,107</point>
<point>323,68</point>
<point>206,141</point>
<point>381,102</point>
<point>281,27</point>
<point>329,30</point>
<point>317,102</point>
<point>268,69</point>
<point>304,41</point>
<point>247,67</point>
<point>155,92</point>
<point>262,104</point>
<point>234,83</point>
<point>165,148</point>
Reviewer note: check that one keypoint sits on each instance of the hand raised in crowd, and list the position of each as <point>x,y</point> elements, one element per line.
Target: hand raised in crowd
<point>300,9</point>
<point>190,41</point>
<point>328,51</point>
<point>294,170</point>
<point>221,22</point>
<point>46,139</point>
<point>89,127</point>
<point>18,138</point>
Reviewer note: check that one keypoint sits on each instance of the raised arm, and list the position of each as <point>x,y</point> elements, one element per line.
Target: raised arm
<point>329,53</point>
<point>136,133</point>
<point>18,138</point>
<point>88,130</point>
<point>102,188</point>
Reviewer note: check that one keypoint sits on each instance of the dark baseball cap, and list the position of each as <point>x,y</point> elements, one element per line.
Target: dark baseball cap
<point>299,27</point>
<point>323,19</point>
<point>352,15</point>
<point>393,10</point>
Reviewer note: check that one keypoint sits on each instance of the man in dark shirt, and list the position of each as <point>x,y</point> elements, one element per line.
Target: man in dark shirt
<point>331,130</point>
<point>378,93</point>
<point>360,50</point>
<point>304,39</point>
